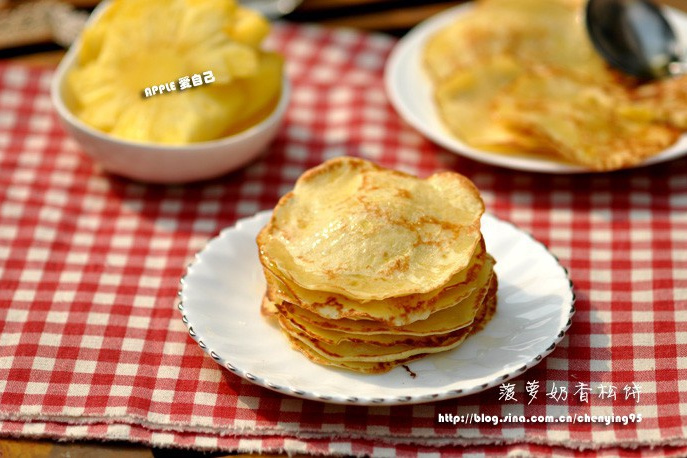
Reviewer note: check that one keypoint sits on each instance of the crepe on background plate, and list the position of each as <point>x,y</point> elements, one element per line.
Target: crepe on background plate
<point>535,86</point>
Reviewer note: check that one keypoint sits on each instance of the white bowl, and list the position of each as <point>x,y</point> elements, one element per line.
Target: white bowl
<point>157,163</point>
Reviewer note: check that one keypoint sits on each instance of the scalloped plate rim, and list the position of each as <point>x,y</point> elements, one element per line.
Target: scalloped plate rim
<point>271,382</point>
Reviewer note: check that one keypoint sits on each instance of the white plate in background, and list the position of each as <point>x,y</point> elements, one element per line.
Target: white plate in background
<point>410,91</point>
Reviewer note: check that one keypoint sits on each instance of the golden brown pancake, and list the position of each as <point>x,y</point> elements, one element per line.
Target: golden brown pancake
<point>443,321</point>
<point>581,122</point>
<point>368,268</point>
<point>356,229</point>
<point>329,356</point>
<point>395,311</point>
<point>335,336</point>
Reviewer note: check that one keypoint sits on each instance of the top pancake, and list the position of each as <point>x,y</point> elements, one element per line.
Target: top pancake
<point>368,233</point>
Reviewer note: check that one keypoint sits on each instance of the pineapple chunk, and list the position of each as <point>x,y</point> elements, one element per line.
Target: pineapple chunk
<point>249,27</point>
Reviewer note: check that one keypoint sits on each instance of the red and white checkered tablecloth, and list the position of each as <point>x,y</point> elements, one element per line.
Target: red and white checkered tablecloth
<point>92,346</point>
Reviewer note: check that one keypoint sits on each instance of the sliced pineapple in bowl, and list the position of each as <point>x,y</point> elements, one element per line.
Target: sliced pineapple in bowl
<point>183,98</point>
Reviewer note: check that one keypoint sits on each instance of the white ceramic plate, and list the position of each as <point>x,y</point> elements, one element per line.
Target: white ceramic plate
<point>220,304</point>
<point>410,91</point>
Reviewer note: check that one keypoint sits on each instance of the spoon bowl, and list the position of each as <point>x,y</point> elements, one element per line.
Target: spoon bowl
<point>634,36</point>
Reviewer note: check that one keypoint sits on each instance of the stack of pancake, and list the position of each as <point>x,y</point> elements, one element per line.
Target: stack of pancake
<point>368,268</point>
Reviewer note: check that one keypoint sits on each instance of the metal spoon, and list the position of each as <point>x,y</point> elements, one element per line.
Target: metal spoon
<point>635,37</point>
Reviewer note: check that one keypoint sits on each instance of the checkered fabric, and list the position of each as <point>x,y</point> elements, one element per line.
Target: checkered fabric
<point>92,346</point>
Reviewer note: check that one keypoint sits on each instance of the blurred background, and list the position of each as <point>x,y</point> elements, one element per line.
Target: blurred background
<point>37,31</point>
<point>30,27</point>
